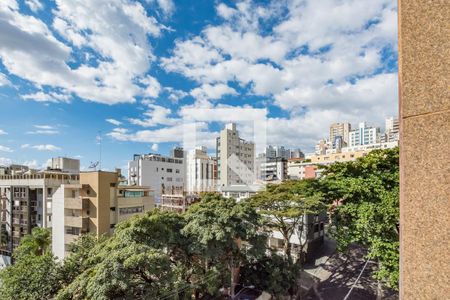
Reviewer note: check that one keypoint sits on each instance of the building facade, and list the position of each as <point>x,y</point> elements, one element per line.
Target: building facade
<point>364,135</point>
<point>273,169</point>
<point>163,174</point>
<point>94,205</point>
<point>341,130</point>
<point>26,201</point>
<point>235,158</point>
<point>392,130</point>
<point>200,171</point>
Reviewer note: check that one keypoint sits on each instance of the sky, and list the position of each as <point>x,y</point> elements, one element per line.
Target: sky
<point>130,73</point>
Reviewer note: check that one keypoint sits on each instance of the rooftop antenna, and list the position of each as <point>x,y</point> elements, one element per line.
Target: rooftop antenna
<point>93,165</point>
<point>99,142</point>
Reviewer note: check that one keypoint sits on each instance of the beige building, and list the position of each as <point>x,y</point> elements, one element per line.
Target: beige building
<point>235,158</point>
<point>340,129</point>
<point>95,205</point>
<point>26,200</point>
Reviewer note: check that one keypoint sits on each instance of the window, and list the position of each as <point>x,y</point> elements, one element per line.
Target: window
<point>130,210</point>
<point>74,194</point>
<point>112,208</point>
<point>112,185</point>
<point>134,194</point>
<point>112,226</point>
<point>177,171</point>
<point>169,170</point>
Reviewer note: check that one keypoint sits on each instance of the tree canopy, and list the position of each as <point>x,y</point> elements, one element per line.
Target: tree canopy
<point>365,207</point>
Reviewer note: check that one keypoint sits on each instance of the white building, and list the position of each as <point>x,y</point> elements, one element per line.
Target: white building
<point>364,135</point>
<point>164,175</point>
<point>392,130</point>
<point>240,192</point>
<point>235,158</point>
<point>66,165</point>
<point>201,171</point>
<point>273,169</point>
<point>26,202</point>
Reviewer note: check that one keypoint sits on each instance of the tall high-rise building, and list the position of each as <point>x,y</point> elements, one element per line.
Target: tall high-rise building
<point>341,130</point>
<point>200,171</point>
<point>364,135</point>
<point>235,158</point>
<point>163,174</point>
<point>392,130</point>
<point>94,205</point>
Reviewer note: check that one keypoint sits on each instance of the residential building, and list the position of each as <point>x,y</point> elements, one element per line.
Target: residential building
<point>94,205</point>
<point>163,174</point>
<point>177,203</point>
<point>312,237</point>
<point>336,157</point>
<point>278,152</point>
<point>392,130</point>
<point>297,169</point>
<point>235,158</point>
<point>200,171</point>
<point>240,192</point>
<point>322,146</point>
<point>339,134</point>
<point>26,202</point>
<point>66,165</point>
<point>364,135</point>
<point>296,153</point>
<point>273,169</point>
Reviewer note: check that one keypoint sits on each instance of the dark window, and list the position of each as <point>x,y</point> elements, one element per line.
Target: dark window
<point>112,208</point>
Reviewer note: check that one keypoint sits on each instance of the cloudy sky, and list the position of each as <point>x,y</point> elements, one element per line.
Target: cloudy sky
<point>133,71</point>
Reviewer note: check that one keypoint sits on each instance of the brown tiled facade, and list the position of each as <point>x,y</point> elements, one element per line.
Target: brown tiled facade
<point>424,87</point>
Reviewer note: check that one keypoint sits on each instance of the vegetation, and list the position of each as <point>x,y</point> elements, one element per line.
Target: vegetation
<point>218,242</point>
<point>365,208</point>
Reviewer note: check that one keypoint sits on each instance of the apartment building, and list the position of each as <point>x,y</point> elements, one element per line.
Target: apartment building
<point>298,169</point>
<point>364,135</point>
<point>95,205</point>
<point>296,153</point>
<point>163,174</point>
<point>240,192</point>
<point>339,134</point>
<point>177,203</point>
<point>272,169</point>
<point>26,201</point>
<point>392,130</point>
<point>200,171</point>
<point>235,158</point>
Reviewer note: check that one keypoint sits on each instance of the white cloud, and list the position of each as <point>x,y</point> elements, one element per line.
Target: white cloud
<point>167,6</point>
<point>3,80</point>
<point>34,5</point>
<point>32,164</point>
<point>212,92</point>
<point>4,161</point>
<point>114,122</point>
<point>2,132</point>
<point>44,129</point>
<point>155,115</point>
<point>47,97</point>
<point>43,147</point>
<point>5,149</point>
<point>122,53</point>
<point>155,147</point>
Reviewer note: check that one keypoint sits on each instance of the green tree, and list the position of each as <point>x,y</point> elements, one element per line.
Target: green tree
<point>284,207</point>
<point>365,198</point>
<point>34,273</point>
<point>227,231</point>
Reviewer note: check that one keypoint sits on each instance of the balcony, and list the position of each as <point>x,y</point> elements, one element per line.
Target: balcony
<point>69,238</point>
<point>73,203</point>
<point>73,221</point>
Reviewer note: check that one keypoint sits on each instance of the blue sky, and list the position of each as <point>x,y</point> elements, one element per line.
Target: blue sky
<point>131,71</point>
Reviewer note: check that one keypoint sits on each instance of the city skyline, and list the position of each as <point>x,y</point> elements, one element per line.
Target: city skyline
<point>132,85</point>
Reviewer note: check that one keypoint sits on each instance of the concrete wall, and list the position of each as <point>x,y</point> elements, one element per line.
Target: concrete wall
<point>424,83</point>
